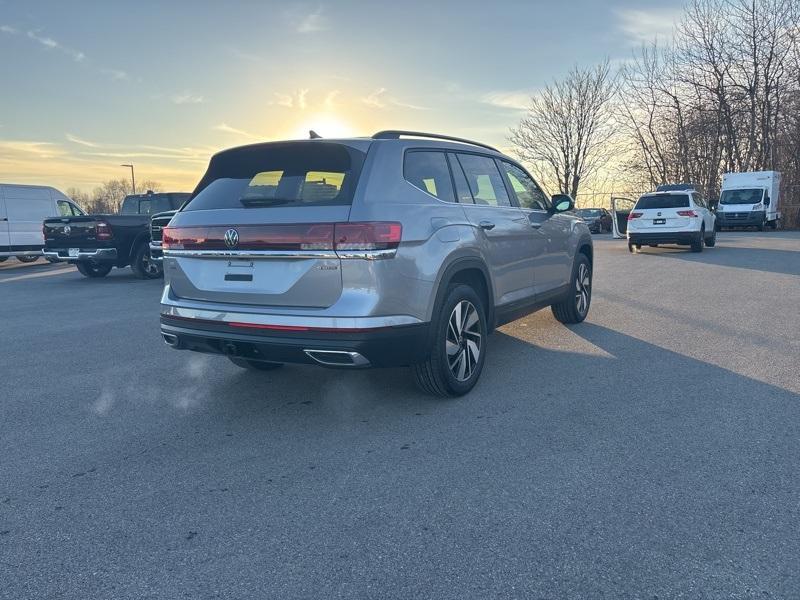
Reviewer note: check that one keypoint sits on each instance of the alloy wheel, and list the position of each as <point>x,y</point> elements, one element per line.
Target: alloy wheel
<point>583,283</point>
<point>463,341</point>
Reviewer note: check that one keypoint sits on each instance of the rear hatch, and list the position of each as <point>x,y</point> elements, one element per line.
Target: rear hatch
<point>662,212</point>
<point>259,229</point>
<point>70,232</point>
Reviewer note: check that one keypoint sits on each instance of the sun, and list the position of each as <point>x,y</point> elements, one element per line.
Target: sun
<point>326,125</point>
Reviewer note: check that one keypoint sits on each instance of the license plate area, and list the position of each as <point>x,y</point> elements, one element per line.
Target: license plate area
<point>73,252</point>
<point>659,221</point>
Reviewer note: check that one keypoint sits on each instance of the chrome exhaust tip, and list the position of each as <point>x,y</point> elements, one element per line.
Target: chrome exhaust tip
<point>337,358</point>
<point>171,340</point>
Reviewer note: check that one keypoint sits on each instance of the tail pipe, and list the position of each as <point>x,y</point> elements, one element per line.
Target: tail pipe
<point>337,358</point>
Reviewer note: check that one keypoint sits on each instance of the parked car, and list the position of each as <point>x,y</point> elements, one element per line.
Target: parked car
<point>97,243</point>
<point>157,224</point>
<point>382,251</point>
<point>597,220</point>
<point>674,214</point>
<point>22,210</point>
<point>750,199</point>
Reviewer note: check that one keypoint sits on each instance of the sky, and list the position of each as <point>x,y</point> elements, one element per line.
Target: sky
<point>86,86</point>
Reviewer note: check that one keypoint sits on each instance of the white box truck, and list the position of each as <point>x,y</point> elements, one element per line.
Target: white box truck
<point>749,200</point>
<point>23,208</point>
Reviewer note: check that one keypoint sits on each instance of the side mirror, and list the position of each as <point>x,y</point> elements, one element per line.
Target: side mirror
<point>766,201</point>
<point>562,203</point>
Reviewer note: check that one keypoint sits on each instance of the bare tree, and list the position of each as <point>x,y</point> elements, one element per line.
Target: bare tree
<point>567,133</point>
<point>107,198</point>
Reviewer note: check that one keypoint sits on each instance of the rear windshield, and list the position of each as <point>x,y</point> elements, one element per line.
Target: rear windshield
<point>152,203</point>
<point>288,174</point>
<point>589,212</point>
<point>663,201</point>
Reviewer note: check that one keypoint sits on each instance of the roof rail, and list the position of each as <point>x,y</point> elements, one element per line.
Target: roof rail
<point>394,134</point>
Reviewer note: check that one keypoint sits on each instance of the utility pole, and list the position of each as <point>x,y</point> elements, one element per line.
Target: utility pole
<point>133,178</point>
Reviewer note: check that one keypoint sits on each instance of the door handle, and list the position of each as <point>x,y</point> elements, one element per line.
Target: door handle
<point>487,225</point>
<point>535,225</point>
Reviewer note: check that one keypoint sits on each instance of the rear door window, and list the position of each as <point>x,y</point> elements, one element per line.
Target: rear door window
<point>283,174</point>
<point>484,180</point>
<point>428,171</point>
<point>663,201</point>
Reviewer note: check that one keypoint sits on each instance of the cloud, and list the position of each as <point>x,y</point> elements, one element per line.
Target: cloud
<point>312,22</point>
<point>379,99</point>
<point>115,74</point>
<point>187,98</point>
<point>330,98</point>
<point>76,140</point>
<point>52,44</point>
<point>225,128</point>
<point>297,99</point>
<point>512,100</point>
<point>8,29</point>
<point>643,26</point>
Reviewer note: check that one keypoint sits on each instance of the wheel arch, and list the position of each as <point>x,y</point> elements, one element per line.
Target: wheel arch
<point>141,238</point>
<point>471,271</point>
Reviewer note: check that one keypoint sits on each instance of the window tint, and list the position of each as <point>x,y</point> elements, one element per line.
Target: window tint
<point>428,171</point>
<point>130,206</point>
<point>484,180</point>
<point>64,209</point>
<point>76,211</point>
<point>463,194</point>
<point>312,173</point>
<point>528,193</point>
<point>154,204</point>
<point>663,201</point>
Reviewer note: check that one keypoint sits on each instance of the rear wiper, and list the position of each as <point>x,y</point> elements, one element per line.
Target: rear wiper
<point>264,201</point>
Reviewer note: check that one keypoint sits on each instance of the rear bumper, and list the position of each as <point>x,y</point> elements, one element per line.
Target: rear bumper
<point>684,238</point>
<point>390,346</point>
<point>96,255</point>
<point>740,219</point>
<point>156,253</point>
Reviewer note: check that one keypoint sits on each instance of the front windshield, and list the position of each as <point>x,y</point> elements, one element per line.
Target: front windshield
<point>589,212</point>
<point>748,196</point>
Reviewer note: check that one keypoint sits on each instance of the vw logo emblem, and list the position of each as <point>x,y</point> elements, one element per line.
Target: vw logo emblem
<point>67,230</point>
<point>231,238</point>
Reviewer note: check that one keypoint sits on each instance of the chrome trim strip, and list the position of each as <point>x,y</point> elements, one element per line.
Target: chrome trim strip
<point>222,316</point>
<point>367,254</point>
<point>246,254</point>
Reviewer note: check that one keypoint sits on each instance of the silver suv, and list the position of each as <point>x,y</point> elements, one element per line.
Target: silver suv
<point>400,249</point>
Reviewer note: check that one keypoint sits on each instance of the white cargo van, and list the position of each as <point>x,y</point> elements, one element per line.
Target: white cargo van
<point>22,210</point>
<point>749,199</point>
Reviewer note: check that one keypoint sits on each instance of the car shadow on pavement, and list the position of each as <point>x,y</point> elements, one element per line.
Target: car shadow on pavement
<point>786,262</point>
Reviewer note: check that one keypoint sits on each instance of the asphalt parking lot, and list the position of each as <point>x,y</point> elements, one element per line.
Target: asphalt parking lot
<point>650,452</point>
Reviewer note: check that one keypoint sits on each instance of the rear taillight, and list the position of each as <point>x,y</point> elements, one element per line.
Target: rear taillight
<point>103,231</point>
<point>634,215</point>
<point>345,237</point>
<point>687,213</point>
<point>367,236</point>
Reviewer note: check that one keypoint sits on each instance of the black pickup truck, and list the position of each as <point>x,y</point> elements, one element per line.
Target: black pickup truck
<point>96,243</point>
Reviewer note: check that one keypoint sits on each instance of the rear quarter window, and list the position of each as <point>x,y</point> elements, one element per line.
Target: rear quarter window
<point>428,171</point>
<point>287,174</point>
<point>663,201</point>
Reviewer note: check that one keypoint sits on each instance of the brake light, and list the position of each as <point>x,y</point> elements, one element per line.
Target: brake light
<point>687,213</point>
<point>634,215</point>
<point>103,231</point>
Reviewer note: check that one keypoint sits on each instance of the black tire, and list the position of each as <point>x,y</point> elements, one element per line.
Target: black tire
<point>630,247</point>
<point>653,245</point>
<point>452,369</point>
<point>697,245</point>
<point>711,240</point>
<point>575,307</point>
<point>93,270</point>
<point>773,224</point>
<point>143,266</point>
<point>760,226</point>
<point>254,365</point>
<point>3,259</point>
<point>27,259</point>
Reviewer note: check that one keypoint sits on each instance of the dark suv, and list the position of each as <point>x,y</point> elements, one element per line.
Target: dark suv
<point>399,249</point>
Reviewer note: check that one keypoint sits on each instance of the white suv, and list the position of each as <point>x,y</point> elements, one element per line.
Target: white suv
<point>674,214</point>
